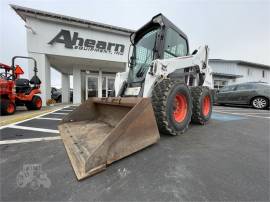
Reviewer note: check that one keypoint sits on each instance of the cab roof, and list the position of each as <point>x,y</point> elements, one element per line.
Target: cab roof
<point>158,20</point>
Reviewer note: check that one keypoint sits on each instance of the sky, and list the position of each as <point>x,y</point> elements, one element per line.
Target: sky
<point>233,29</point>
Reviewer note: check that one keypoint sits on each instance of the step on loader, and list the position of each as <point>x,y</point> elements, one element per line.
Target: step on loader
<point>164,89</point>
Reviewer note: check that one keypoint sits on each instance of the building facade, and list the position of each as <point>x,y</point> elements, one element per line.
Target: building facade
<point>226,72</point>
<point>93,52</point>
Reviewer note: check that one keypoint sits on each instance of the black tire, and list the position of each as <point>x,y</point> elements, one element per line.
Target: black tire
<point>260,103</point>
<point>59,99</point>
<point>202,104</point>
<point>33,104</point>
<point>7,107</point>
<point>163,101</point>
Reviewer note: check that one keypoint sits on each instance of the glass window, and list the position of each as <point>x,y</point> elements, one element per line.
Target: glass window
<point>145,48</point>
<point>175,45</point>
<point>224,83</point>
<point>231,88</point>
<point>244,87</point>
<point>110,85</point>
<point>104,86</point>
<point>143,55</point>
<point>92,86</point>
<point>224,89</point>
<point>227,88</point>
<point>263,74</point>
<point>218,84</point>
<point>249,72</point>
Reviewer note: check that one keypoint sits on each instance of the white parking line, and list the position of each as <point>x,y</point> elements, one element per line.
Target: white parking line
<point>59,113</point>
<point>47,118</point>
<point>7,126</point>
<point>239,110</point>
<point>246,112</point>
<point>34,129</point>
<point>258,113</point>
<point>3,142</point>
<point>66,110</point>
<point>241,114</point>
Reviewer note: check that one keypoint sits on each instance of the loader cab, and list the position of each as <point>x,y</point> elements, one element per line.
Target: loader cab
<point>158,39</point>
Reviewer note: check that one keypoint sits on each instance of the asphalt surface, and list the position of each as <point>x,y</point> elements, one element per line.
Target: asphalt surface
<point>225,160</point>
<point>22,113</point>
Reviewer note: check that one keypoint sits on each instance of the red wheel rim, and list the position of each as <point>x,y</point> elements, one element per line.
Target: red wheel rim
<point>206,105</point>
<point>10,108</point>
<point>181,105</point>
<point>38,103</point>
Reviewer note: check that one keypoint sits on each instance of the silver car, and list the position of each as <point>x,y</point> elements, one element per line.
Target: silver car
<point>255,94</point>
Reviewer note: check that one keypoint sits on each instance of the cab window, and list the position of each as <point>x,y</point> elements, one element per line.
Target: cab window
<point>175,45</point>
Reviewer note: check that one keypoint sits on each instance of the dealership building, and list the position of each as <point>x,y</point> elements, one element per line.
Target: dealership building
<point>227,72</point>
<point>93,52</point>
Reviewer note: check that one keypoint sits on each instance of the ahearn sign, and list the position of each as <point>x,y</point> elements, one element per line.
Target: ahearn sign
<point>76,42</point>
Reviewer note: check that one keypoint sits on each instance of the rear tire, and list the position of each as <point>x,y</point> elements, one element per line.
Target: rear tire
<point>172,105</point>
<point>202,104</point>
<point>34,104</point>
<point>260,103</point>
<point>7,107</point>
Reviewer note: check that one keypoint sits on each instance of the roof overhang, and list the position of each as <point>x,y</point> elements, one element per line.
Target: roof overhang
<point>229,76</point>
<point>25,12</point>
<point>242,62</point>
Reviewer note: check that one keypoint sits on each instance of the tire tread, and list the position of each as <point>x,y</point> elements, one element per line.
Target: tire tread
<point>159,97</point>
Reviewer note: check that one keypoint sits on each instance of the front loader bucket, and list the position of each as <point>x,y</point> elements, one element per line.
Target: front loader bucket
<point>103,130</point>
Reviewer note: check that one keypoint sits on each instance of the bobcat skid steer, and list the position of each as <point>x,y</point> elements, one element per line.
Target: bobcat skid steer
<point>165,89</point>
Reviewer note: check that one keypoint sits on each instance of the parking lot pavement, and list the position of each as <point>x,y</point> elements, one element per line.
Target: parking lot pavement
<point>225,160</point>
<point>39,128</point>
<point>243,111</point>
<point>22,113</point>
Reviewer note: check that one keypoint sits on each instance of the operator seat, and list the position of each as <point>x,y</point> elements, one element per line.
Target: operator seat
<point>22,86</point>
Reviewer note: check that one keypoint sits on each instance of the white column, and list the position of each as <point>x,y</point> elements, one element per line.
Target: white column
<point>44,74</point>
<point>65,88</point>
<point>83,85</point>
<point>126,67</point>
<point>77,88</point>
<point>100,83</point>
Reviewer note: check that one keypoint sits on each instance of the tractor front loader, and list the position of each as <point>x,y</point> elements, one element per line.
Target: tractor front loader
<point>165,89</point>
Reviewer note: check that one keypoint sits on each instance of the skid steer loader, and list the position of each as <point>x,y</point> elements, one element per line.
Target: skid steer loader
<point>164,90</point>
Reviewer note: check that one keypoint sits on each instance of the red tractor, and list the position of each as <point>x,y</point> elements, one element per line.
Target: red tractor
<point>16,91</point>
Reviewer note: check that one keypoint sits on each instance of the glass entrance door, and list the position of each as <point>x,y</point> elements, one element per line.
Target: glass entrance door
<point>107,85</point>
<point>92,86</point>
<point>110,86</point>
